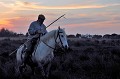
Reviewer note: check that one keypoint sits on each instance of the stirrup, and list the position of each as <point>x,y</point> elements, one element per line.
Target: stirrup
<point>23,65</point>
<point>23,68</point>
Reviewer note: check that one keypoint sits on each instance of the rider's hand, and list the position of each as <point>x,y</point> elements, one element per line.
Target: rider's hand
<point>38,32</point>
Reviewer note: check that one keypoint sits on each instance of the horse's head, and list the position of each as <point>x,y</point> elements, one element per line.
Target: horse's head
<point>61,38</point>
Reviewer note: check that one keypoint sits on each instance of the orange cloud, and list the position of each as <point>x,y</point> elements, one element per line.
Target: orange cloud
<point>17,24</point>
<point>83,15</point>
<point>5,24</point>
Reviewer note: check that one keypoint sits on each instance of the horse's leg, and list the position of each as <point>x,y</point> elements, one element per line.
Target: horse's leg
<point>48,69</point>
<point>18,73</point>
<point>21,67</point>
<point>41,68</point>
<point>33,69</point>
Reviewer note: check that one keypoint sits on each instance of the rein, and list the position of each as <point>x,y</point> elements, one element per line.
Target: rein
<point>48,45</point>
<point>58,35</point>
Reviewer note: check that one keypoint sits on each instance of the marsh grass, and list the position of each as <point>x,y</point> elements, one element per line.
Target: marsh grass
<point>89,59</point>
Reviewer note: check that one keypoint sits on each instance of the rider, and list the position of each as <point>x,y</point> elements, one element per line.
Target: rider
<point>36,29</point>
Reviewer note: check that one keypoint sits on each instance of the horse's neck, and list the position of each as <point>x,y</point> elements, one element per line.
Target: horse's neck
<point>51,42</point>
<point>49,38</point>
<point>43,49</point>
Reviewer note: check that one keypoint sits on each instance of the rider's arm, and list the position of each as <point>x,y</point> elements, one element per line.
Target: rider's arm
<point>31,29</point>
<point>45,31</point>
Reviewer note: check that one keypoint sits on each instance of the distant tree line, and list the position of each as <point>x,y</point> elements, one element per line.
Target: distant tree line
<point>7,33</point>
<point>107,36</point>
<point>112,36</point>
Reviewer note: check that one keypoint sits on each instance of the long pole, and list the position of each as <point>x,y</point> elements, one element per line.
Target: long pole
<point>33,37</point>
<point>55,21</point>
<point>20,46</point>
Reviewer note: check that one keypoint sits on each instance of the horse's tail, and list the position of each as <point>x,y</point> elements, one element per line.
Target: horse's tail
<point>19,56</point>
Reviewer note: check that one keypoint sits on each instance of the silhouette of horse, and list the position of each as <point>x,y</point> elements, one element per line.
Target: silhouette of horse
<point>43,54</point>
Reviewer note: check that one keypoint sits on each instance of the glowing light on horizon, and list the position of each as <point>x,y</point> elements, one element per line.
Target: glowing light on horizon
<point>18,14</point>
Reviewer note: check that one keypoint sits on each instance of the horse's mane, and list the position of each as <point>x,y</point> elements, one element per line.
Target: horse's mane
<point>51,34</point>
<point>48,35</point>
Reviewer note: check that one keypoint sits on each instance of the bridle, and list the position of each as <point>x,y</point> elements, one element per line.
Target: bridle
<point>58,36</point>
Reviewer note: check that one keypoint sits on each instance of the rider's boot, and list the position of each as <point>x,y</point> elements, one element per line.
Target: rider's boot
<point>25,59</point>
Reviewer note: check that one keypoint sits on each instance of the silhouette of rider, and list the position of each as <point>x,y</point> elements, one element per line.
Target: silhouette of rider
<point>36,29</point>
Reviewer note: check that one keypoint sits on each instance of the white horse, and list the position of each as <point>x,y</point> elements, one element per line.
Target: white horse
<point>44,50</point>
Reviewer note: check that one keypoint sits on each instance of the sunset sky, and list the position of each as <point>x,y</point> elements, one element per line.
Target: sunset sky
<point>82,16</point>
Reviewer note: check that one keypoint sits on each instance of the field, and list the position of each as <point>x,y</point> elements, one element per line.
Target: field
<point>87,59</point>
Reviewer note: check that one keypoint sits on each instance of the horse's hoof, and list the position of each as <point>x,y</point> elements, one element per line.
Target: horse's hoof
<point>44,77</point>
<point>21,69</point>
<point>43,74</point>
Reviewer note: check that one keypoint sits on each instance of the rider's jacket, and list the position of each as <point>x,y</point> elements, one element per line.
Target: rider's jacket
<point>34,26</point>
